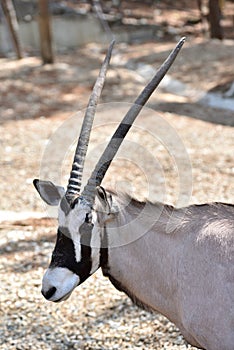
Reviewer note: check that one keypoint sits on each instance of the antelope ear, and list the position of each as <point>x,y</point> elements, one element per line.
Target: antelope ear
<point>50,193</point>
<point>105,199</point>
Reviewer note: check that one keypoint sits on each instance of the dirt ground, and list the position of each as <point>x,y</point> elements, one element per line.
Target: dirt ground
<point>180,152</point>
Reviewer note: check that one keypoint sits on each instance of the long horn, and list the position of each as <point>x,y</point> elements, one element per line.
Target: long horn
<point>111,149</point>
<point>74,183</point>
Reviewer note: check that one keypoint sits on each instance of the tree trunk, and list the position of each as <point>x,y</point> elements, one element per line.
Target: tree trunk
<point>45,32</point>
<point>9,13</point>
<point>215,15</point>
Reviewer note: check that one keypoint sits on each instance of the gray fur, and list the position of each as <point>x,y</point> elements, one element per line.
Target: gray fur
<point>187,275</point>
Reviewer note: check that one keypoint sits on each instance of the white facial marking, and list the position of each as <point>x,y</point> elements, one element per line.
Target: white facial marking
<point>62,279</point>
<point>72,222</point>
<point>95,245</point>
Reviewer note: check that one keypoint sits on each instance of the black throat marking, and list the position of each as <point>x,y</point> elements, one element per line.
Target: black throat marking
<point>104,252</point>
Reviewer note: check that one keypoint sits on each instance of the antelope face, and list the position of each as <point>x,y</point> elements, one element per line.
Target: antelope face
<point>76,255</point>
<point>71,261</point>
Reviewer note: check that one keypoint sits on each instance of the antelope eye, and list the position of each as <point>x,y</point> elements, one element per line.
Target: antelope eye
<point>88,218</point>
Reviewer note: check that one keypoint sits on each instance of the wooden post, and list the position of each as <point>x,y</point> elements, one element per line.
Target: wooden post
<point>9,13</point>
<point>45,32</point>
<point>215,14</point>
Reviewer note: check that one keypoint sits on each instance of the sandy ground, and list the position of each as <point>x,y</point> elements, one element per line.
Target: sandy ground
<point>179,152</point>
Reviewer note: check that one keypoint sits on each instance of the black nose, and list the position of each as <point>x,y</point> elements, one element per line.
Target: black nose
<point>49,293</point>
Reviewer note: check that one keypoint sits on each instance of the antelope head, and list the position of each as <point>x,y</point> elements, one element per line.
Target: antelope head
<point>76,255</point>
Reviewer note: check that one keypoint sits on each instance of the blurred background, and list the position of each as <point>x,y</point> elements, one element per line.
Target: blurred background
<point>50,55</point>
<point>26,26</point>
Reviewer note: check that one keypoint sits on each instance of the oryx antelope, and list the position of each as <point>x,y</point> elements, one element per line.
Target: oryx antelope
<point>187,273</point>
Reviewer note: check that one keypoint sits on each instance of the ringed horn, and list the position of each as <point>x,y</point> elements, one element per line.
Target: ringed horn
<point>111,149</point>
<point>74,182</point>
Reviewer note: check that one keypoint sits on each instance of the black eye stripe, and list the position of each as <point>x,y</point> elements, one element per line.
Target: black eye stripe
<point>64,254</point>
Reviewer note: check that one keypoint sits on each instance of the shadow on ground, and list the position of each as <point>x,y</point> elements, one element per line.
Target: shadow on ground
<point>192,110</point>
